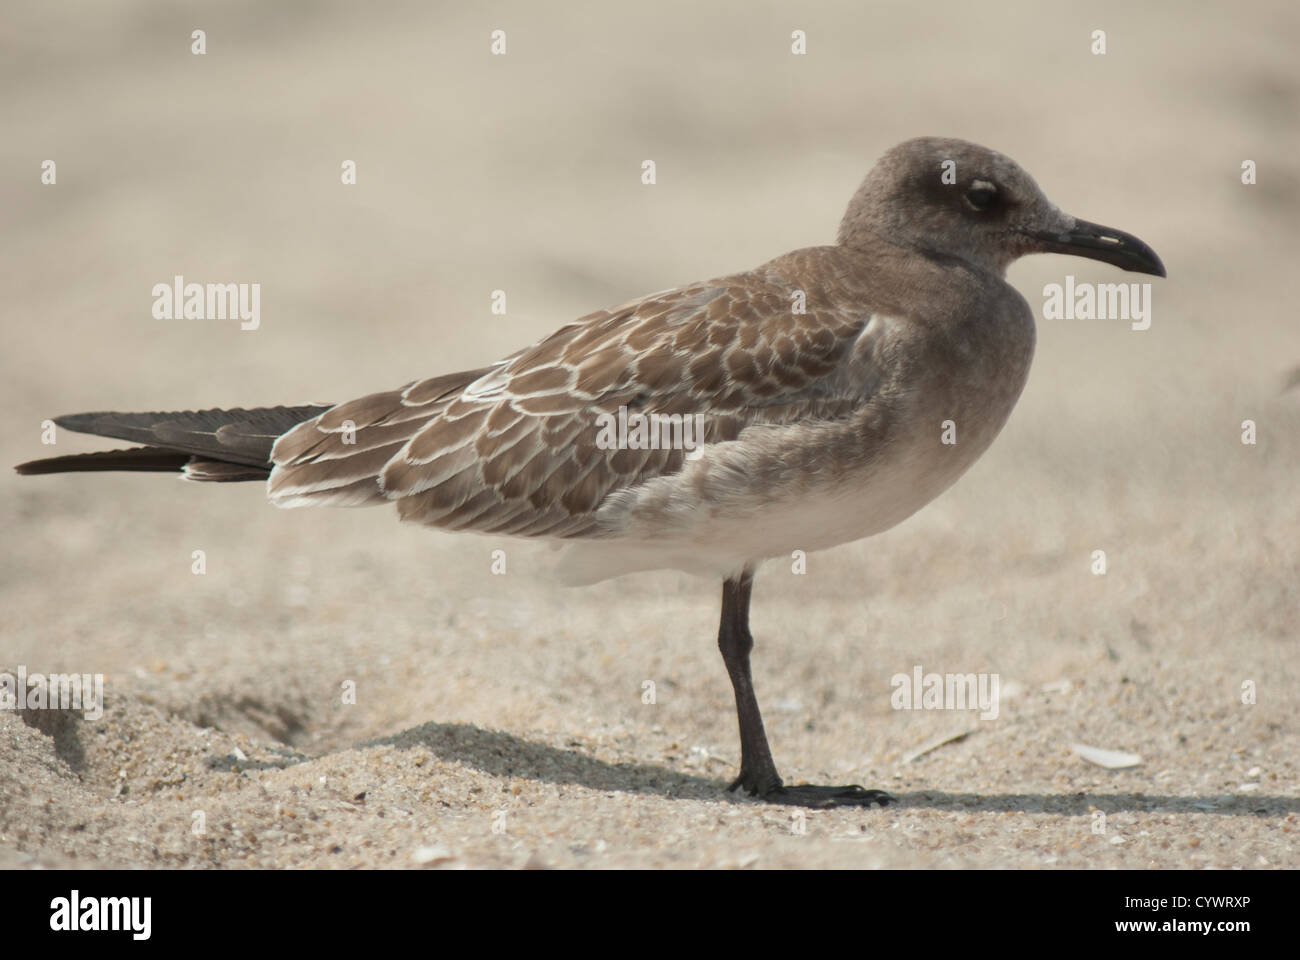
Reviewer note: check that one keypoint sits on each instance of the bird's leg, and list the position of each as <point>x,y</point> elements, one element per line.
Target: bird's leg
<point>757,770</point>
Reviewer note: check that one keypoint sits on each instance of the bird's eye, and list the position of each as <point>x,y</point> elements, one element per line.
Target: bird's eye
<point>982,195</point>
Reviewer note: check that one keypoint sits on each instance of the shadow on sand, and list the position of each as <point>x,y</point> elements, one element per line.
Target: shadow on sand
<point>505,755</point>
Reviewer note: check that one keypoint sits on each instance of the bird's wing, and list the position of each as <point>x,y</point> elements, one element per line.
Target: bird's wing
<point>514,448</point>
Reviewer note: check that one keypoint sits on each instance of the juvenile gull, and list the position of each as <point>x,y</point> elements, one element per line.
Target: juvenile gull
<point>820,425</point>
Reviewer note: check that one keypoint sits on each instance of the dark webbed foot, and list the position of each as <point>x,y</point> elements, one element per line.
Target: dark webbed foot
<point>812,795</point>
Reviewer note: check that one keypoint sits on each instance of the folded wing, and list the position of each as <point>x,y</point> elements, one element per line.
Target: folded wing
<point>513,448</point>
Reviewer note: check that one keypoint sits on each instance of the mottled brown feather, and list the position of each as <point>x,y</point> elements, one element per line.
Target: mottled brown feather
<point>512,448</point>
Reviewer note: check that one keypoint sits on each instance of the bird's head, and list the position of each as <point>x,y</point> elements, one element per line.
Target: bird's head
<point>953,198</point>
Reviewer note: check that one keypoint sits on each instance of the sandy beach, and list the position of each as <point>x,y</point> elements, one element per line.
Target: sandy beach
<point>338,690</point>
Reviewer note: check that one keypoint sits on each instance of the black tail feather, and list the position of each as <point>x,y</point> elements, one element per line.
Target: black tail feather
<point>204,440</point>
<point>150,459</point>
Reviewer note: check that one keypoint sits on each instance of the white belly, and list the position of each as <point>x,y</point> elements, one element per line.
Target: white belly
<point>752,514</point>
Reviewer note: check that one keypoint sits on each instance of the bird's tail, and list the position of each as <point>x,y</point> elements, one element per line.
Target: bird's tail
<point>206,445</point>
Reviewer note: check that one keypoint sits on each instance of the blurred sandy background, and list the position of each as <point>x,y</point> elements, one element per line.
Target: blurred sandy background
<point>478,694</point>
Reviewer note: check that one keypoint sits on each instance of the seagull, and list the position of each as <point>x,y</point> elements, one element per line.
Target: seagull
<point>837,390</point>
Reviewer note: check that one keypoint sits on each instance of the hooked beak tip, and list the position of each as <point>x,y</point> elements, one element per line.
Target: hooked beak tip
<point>1095,242</point>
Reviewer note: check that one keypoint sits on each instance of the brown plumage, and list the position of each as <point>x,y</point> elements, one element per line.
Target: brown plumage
<point>513,448</point>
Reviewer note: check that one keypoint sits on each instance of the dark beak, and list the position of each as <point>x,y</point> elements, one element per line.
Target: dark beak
<point>1096,242</point>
